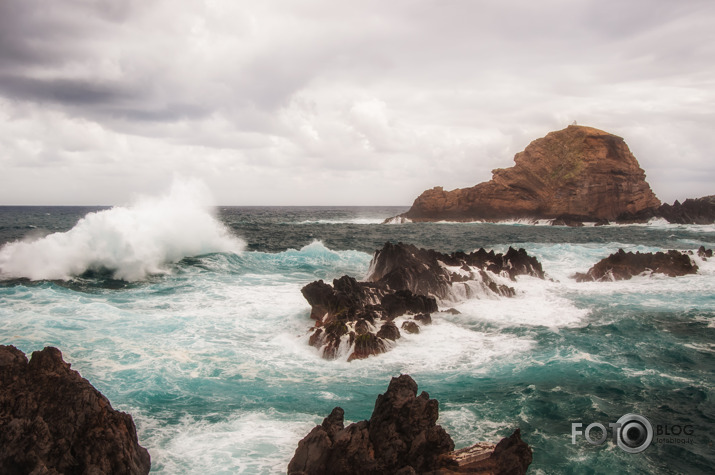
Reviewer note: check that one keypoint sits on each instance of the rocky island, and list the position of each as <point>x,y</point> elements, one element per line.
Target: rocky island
<point>52,421</point>
<point>402,437</point>
<point>578,174</point>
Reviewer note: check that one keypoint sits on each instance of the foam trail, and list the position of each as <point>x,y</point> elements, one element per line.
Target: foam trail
<point>133,241</point>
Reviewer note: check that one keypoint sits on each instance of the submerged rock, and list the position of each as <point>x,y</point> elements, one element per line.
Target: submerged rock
<point>576,174</point>
<point>53,421</point>
<point>404,280</point>
<point>624,265</point>
<point>402,436</point>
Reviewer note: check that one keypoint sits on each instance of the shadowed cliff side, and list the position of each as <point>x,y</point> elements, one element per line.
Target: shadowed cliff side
<point>53,421</point>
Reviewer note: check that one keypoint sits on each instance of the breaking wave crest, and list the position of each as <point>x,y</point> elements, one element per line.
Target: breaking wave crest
<point>132,242</point>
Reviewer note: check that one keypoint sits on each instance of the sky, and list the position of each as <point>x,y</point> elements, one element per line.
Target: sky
<point>328,102</point>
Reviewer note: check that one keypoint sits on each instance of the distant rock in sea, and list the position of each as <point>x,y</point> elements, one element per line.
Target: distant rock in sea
<point>690,211</point>
<point>401,437</point>
<point>624,265</point>
<point>53,421</point>
<point>405,280</point>
<point>579,173</point>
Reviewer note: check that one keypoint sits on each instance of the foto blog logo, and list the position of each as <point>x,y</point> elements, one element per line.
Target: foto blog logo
<point>632,432</point>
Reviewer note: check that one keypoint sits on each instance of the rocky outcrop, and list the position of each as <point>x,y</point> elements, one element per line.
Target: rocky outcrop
<point>428,272</point>
<point>404,280</point>
<point>402,436</point>
<point>691,211</point>
<point>52,421</point>
<point>575,174</point>
<point>510,456</point>
<point>624,265</point>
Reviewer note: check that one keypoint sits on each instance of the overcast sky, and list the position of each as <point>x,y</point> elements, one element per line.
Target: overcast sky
<point>341,103</point>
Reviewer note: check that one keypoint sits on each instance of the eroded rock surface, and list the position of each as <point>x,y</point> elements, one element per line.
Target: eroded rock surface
<point>402,436</point>
<point>575,174</point>
<point>624,265</point>
<point>52,421</point>
<point>405,280</point>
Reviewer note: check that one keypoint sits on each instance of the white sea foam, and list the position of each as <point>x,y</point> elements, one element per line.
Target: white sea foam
<point>537,302</point>
<point>132,241</point>
<point>398,220</point>
<point>344,221</point>
<point>246,442</point>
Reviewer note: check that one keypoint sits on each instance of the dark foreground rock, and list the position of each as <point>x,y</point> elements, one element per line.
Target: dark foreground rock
<point>52,421</point>
<point>624,265</point>
<point>402,436</point>
<point>405,280</point>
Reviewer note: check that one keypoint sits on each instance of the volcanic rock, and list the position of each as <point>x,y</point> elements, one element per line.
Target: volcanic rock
<point>624,265</point>
<point>575,174</point>
<point>410,327</point>
<point>510,456</point>
<point>402,436</point>
<point>404,280</point>
<point>428,272</point>
<point>53,421</point>
<point>691,211</point>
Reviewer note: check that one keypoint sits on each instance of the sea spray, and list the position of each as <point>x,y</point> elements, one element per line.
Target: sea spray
<point>131,242</point>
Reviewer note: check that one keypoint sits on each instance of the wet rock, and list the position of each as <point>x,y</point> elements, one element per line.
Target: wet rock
<point>405,302</point>
<point>705,253</point>
<point>402,432</point>
<point>388,331</point>
<point>624,265</point>
<point>53,421</point>
<point>366,345</point>
<point>405,280</point>
<point>423,318</point>
<point>410,327</point>
<point>510,456</point>
<point>401,437</point>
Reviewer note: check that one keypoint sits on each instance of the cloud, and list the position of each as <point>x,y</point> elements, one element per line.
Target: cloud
<point>323,102</point>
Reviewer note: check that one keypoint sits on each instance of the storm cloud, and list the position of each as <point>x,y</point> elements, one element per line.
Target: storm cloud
<point>325,102</point>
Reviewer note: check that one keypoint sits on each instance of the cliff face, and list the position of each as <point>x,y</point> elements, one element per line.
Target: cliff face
<point>53,421</point>
<point>579,172</point>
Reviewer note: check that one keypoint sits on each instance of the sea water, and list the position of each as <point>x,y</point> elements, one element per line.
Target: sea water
<point>191,319</point>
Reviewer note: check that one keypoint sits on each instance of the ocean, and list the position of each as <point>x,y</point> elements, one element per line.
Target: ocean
<point>191,319</point>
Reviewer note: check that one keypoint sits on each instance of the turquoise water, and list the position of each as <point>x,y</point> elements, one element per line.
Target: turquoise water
<point>206,347</point>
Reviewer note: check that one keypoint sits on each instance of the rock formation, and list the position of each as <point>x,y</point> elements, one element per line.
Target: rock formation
<point>690,211</point>
<point>404,280</point>
<point>52,421</point>
<point>576,174</point>
<point>624,265</point>
<point>401,437</point>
